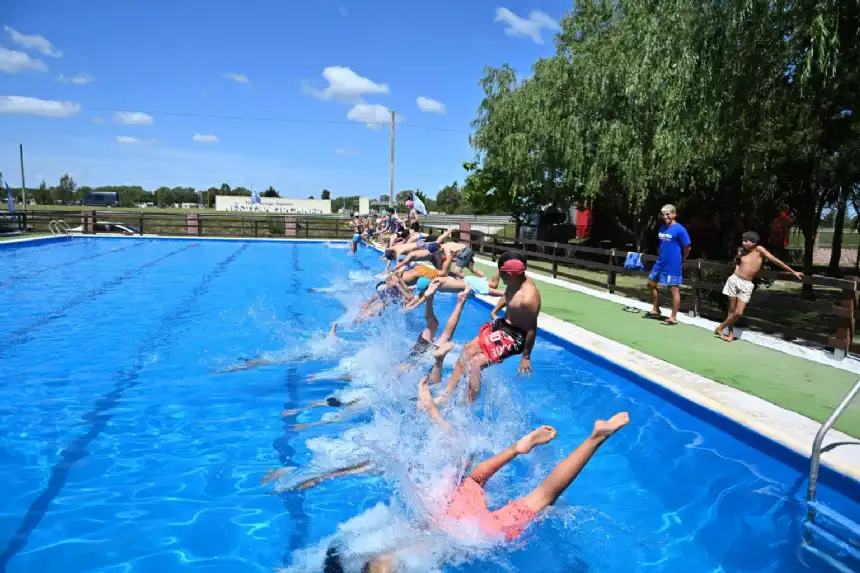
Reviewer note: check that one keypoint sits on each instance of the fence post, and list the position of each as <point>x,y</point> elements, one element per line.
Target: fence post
<point>697,292</point>
<point>554,262</point>
<point>140,224</point>
<point>307,229</point>
<point>845,334</point>
<point>611,275</point>
<point>255,227</point>
<point>93,221</point>
<point>192,224</point>
<point>493,249</point>
<point>24,220</point>
<point>290,227</point>
<point>465,227</point>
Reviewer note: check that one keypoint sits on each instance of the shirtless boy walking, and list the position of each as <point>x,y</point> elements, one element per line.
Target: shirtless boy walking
<point>502,338</point>
<point>739,287</point>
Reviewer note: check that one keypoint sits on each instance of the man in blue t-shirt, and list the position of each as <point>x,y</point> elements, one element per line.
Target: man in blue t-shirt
<point>674,250</point>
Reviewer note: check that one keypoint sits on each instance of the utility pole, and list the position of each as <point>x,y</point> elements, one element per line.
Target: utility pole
<point>391,172</point>
<point>23,186</point>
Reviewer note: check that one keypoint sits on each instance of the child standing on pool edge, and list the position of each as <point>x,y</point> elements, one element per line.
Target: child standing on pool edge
<point>357,230</point>
<point>739,287</point>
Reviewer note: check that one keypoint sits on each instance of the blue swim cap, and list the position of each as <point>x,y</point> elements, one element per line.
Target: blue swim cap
<point>422,283</point>
<point>433,247</point>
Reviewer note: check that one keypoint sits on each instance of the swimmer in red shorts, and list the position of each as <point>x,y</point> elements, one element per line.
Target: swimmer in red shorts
<point>498,340</point>
<point>469,502</point>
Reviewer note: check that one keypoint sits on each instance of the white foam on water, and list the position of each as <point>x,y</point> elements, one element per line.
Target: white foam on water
<point>420,461</point>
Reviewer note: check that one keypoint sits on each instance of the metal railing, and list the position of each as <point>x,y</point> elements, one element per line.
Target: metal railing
<point>815,459</point>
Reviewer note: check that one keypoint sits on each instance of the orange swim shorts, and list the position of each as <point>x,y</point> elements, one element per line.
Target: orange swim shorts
<point>429,272</point>
<point>470,503</point>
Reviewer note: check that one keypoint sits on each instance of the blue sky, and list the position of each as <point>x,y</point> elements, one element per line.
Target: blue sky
<point>183,68</point>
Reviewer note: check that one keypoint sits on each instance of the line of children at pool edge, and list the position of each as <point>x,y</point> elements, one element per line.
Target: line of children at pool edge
<point>409,284</point>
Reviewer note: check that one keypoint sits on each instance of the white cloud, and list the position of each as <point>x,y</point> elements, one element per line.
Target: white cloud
<point>531,27</point>
<point>431,105</point>
<point>345,85</point>
<point>77,79</point>
<point>205,138</point>
<point>343,11</point>
<point>133,118</point>
<point>373,116</point>
<point>21,105</point>
<point>12,62</point>
<point>342,151</point>
<point>238,78</point>
<point>98,120</point>
<point>132,140</point>
<point>33,42</point>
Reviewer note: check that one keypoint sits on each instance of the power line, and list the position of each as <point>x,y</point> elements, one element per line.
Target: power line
<point>276,119</point>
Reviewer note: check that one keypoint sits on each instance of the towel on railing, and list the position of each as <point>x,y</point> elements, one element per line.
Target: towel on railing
<point>634,261</point>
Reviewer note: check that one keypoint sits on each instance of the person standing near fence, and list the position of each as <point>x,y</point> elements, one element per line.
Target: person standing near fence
<point>668,270</point>
<point>739,286</point>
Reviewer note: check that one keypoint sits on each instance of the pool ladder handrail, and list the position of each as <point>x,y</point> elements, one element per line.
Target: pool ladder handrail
<point>815,459</point>
<point>814,509</point>
<point>59,226</point>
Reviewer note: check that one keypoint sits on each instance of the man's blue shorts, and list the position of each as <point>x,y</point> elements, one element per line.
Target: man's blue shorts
<point>658,276</point>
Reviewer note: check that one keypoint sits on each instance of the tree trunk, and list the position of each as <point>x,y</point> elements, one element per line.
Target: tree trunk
<point>838,226</point>
<point>808,253</point>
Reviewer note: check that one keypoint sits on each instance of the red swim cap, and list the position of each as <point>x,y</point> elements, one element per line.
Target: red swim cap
<point>514,267</point>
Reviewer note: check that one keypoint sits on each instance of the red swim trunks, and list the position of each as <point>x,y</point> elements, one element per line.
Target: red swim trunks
<point>470,503</point>
<point>500,340</point>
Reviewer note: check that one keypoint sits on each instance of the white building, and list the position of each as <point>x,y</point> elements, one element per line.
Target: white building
<point>274,205</point>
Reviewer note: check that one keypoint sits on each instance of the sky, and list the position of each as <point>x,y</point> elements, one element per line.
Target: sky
<point>254,93</point>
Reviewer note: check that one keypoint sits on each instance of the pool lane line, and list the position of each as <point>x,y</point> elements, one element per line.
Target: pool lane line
<point>67,263</point>
<point>98,417</point>
<point>293,501</point>
<point>18,337</point>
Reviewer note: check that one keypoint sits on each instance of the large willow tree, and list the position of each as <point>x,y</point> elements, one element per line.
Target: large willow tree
<point>729,109</point>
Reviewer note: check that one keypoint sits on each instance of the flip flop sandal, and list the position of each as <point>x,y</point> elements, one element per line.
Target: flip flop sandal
<point>632,309</point>
<point>651,315</point>
<point>667,323</point>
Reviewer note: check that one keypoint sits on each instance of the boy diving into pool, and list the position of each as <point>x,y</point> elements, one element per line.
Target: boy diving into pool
<point>501,338</point>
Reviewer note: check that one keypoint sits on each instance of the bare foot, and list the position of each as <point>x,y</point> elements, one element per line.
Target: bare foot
<point>464,294</point>
<point>273,475</point>
<point>540,436</point>
<point>285,413</point>
<point>605,428</point>
<point>432,288</point>
<point>425,398</point>
<point>718,332</point>
<point>729,338</point>
<point>442,350</point>
<point>333,331</point>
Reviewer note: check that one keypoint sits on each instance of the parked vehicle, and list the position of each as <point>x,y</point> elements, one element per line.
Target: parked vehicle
<point>101,199</point>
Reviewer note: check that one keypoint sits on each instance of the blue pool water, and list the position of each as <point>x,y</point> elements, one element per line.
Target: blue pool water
<point>123,450</point>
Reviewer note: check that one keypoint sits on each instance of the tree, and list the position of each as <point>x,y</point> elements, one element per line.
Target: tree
<point>65,192</point>
<point>310,196</point>
<point>270,192</point>
<point>449,199</point>
<point>44,195</point>
<point>225,189</point>
<point>325,195</point>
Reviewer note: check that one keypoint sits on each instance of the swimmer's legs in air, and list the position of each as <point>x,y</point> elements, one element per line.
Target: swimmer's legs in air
<point>444,344</point>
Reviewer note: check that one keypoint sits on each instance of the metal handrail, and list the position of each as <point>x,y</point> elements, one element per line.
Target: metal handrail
<point>64,227</point>
<point>815,462</point>
<point>51,226</point>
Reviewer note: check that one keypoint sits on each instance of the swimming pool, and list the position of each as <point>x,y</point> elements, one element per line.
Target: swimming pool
<point>122,450</point>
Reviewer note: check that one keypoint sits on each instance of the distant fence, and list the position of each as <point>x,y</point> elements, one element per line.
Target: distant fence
<point>193,224</point>
<point>828,321</point>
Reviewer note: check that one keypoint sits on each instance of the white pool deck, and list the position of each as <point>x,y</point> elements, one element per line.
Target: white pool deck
<point>797,432</point>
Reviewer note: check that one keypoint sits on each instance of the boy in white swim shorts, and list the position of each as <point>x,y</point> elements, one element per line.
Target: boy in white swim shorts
<point>739,287</point>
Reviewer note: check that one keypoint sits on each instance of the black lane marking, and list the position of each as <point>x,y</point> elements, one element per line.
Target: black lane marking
<point>97,418</point>
<point>66,264</point>
<point>19,336</point>
<point>293,501</point>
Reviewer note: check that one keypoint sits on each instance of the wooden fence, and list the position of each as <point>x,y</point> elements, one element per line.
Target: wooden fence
<point>832,315</point>
<point>263,225</point>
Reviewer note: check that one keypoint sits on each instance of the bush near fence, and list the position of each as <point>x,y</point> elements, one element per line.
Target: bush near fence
<point>777,307</point>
